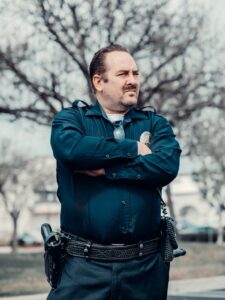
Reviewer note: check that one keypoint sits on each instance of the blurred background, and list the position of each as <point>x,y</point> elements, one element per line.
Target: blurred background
<point>45,49</point>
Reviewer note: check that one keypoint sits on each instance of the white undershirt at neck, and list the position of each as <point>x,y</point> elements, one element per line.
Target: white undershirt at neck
<point>115,117</point>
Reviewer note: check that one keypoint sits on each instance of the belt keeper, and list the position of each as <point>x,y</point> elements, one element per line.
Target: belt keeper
<point>87,249</point>
<point>141,246</point>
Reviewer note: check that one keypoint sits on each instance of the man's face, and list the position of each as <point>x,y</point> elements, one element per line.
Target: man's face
<point>120,83</point>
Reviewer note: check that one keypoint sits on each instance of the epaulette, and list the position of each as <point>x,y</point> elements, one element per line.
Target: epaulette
<point>80,103</point>
<point>148,108</point>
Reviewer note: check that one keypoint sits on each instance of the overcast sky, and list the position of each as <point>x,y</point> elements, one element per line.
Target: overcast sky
<point>33,140</point>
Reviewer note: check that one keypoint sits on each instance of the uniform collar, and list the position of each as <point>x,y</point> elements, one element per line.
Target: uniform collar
<point>133,113</point>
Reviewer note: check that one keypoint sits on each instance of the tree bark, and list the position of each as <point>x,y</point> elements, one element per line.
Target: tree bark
<point>170,205</point>
<point>220,228</point>
<point>170,201</point>
<point>14,234</point>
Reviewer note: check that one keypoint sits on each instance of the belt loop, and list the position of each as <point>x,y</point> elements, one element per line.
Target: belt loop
<point>87,249</point>
<point>141,246</point>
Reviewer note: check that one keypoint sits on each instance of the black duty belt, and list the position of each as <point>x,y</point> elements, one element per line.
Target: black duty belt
<point>85,248</point>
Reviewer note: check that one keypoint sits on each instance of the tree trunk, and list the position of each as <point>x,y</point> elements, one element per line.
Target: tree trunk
<point>170,201</point>
<point>220,228</point>
<point>14,234</point>
<point>170,205</point>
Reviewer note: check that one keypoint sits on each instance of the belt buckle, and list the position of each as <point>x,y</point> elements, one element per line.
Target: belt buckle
<point>117,245</point>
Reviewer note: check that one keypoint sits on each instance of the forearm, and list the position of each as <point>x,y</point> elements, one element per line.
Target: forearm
<point>80,152</point>
<point>156,169</point>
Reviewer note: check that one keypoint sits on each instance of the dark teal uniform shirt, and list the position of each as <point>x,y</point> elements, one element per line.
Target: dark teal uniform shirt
<point>124,205</point>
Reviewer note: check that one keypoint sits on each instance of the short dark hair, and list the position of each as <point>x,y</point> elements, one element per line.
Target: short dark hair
<point>97,65</point>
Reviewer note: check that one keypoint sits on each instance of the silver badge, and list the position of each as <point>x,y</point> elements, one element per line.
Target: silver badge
<point>145,138</point>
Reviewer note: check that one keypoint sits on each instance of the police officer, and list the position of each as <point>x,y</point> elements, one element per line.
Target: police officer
<point>109,178</point>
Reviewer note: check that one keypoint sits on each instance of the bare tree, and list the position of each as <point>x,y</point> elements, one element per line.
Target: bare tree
<point>15,188</point>
<point>47,67</point>
<point>207,145</point>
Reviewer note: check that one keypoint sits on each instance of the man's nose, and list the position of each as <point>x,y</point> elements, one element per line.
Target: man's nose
<point>132,79</point>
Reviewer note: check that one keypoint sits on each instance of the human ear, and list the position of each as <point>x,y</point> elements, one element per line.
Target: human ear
<point>97,82</point>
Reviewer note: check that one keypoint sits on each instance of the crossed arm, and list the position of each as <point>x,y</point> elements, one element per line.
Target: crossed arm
<point>141,148</point>
<point>114,159</point>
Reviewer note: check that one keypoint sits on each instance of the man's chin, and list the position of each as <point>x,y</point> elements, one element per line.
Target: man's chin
<point>130,102</point>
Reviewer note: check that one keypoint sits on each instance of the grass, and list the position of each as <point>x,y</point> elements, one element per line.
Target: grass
<point>201,260</point>
<point>22,274</point>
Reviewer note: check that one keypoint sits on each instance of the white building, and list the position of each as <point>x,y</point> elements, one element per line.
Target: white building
<point>188,203</point>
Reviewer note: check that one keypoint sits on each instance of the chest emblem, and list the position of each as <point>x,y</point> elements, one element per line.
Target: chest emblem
<point>145,138</point>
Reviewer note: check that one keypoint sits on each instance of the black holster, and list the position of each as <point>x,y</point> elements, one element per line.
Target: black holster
<point>168,238</point>
<point>54,255</point>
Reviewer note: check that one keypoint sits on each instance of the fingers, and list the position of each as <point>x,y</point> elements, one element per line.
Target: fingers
<point>93,173</point>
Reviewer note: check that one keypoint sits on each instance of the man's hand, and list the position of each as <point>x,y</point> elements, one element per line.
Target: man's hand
<point>93,173</point>
<point>143,149</point>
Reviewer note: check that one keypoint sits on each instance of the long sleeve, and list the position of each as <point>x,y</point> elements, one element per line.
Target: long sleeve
<point>156,169</point>
<point>79,151</point>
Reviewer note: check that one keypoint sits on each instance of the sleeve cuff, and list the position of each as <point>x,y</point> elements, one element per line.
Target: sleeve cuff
<point>129,148</point>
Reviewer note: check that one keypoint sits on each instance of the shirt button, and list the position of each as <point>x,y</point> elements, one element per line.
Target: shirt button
<point>113,174</point>
<point>123,202</point>
<point>107,156</point>
<point>138,176</point>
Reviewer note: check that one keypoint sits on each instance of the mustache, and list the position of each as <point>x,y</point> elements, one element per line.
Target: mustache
<point>130,87</point>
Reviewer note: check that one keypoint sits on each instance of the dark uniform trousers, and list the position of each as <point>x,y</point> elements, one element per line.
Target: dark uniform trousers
<point>144,278</point>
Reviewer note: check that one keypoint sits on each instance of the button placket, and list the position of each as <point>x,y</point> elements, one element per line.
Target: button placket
<point>124,216</point>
